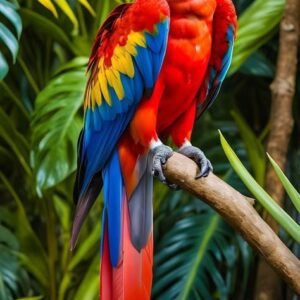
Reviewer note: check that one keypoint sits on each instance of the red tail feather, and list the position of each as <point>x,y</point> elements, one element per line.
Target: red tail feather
<point>132,279</point>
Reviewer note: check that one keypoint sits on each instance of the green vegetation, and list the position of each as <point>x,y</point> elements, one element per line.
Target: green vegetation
<point>262,196</point>
<point>44,52</point>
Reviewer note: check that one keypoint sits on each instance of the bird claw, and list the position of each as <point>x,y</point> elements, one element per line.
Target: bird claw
<point>173,186</point>
<point>199,158</point>
<point>161,154</point>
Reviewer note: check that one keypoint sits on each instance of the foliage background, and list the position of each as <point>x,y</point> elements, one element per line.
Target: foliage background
<point>44,52</point>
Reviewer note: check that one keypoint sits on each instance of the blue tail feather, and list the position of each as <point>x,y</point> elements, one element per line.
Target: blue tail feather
<point>113,205</point>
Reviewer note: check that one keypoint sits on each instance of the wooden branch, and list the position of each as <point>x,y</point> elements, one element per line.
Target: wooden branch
<point>239,213</point>
<point>281,119</point>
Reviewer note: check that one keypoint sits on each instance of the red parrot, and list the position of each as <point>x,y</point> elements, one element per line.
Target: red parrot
<point>155,67</point>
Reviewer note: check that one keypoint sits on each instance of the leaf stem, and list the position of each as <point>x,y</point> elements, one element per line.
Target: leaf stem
<point>15,99</point>
<point>52,245</point>
<point>28,75</point>
<point>82,22</point>
<point>200,255</point>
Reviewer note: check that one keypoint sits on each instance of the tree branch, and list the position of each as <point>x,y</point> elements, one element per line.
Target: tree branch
<point>239,213</point>
<point>281,119</point>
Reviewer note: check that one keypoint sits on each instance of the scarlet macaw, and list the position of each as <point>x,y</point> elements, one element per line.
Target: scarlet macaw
<point>155,67</point>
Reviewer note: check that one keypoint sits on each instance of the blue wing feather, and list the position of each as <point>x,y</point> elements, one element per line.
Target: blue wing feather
<point>216,77</point>
<point>103,126</point>
<point>144,64</point>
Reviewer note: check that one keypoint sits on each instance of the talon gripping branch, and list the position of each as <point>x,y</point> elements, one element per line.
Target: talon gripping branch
<point>155,67</point>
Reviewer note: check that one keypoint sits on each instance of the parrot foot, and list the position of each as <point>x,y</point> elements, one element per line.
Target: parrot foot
<point>161,154</point>
<point>199,158</point>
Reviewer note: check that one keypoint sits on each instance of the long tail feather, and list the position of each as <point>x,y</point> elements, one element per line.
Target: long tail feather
<point>132,279</point>
<point>106,279</point>
<point>126,268</point>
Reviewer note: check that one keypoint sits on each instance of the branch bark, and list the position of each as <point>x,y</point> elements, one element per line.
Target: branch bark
<point>239,213</point>
<point>281,119</point>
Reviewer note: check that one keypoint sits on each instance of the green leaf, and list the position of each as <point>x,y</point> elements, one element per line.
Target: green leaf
<point>8,10</point>
<point>291,191</point>
<point>3,291</point>
<point>247,258</point>
<point>9,41</point>
<point>14,279</point>
<point>89,287</point>
<point>73,64</point>
<point>255,149</point>
<point>6,216</point>
<point>84,251</point>
<point>258,65</point>
<point>31,298</point>
<point>188,254</point>
<point>65,7</point>
<point>50,6</point>
<point>198,259</point>
<point>255,27</point>
<point>56,126</point>
<point>87,5</point>
<point>85,247</point>
<point>67,10</point>
<point>9,266</point>
<point>15,140</point>
<point>8,238</point>
<point>3,67</point>
<point>63,212</point>
<point>47,27</point>
<point>33,255</point>
<point>260,194</point>
<point>7,38</point>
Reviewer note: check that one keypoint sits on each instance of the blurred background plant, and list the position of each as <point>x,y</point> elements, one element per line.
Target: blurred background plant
<point>44,51</point>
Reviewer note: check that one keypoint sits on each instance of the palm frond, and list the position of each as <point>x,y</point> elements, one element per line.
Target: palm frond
<point>14,280</point>
<point>196,256</point>
<point>67,10</point>
<point>10,33</point>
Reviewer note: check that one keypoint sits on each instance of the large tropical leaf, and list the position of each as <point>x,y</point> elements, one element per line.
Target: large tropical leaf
<point>15,141</point>
<point>9,34</point>
<point>56,125</point>
<point>258,64</point>
<point>190,254</point>
<point>255,27</point>
<point>14,280</point>
<point>33,255</point>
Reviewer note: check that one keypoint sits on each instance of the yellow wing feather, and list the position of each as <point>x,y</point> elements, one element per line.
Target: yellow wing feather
<point>104,88</point>
<point>97,96</point>
<point>105,76</point>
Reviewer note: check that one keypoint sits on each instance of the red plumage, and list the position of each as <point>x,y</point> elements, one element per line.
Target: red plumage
<point>197,39</point>
<point>198,54</point>
<point>133,277</point>
<point>124,19</point>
